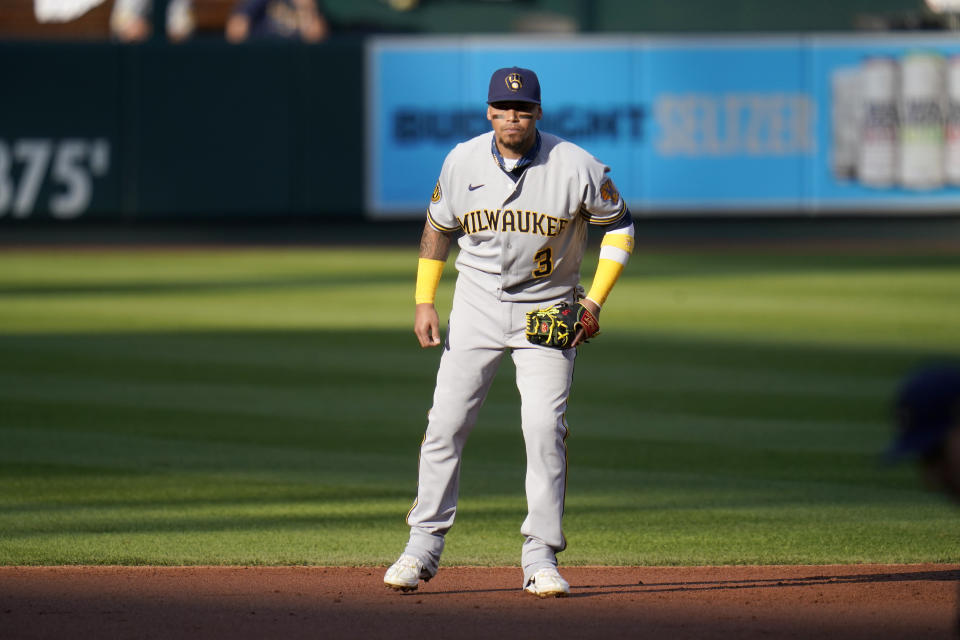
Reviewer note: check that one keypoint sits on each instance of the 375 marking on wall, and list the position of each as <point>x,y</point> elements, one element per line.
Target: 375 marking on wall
<point>68,166</point>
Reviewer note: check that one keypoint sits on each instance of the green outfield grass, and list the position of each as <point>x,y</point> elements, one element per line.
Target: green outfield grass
<point>266,406</point>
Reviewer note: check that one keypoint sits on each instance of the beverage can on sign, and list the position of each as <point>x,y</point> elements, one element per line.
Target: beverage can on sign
<point>921,164</point>
<point>877,155</point>
<point>845,115</point>
<point>951,152</point>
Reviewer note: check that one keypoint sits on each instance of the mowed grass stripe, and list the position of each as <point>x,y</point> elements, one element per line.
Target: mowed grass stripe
<point>265,406</point>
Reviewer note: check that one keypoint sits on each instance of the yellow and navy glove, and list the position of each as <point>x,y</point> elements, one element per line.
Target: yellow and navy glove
<point>557,326</point>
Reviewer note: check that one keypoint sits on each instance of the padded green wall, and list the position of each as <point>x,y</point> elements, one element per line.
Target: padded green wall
<point>199,129</point>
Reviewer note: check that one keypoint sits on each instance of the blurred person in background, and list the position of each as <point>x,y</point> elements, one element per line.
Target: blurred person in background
<point>928,430</point>
<point>288,19</point>
<point>928,425</point>
<point>130,20</point>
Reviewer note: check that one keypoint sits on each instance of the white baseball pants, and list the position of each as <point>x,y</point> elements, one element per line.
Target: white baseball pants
<point>481,329</point>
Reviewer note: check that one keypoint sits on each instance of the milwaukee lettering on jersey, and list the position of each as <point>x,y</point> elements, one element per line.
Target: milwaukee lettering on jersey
<point>504,220</point>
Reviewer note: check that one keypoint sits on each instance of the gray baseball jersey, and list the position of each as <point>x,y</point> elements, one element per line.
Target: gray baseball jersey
<point>524,238</point>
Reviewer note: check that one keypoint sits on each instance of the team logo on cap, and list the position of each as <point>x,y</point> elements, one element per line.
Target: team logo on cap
<point>609,192</point>
<point>514,82</point>
<point>436,193</point>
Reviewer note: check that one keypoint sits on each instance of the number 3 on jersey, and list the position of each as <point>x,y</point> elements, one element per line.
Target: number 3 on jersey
<point>544,260</point>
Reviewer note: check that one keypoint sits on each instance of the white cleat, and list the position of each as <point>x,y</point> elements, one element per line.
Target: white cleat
<point>405,574</point>
<point>548,583</point>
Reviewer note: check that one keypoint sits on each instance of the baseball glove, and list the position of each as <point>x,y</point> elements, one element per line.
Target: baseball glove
<point>557,326</point>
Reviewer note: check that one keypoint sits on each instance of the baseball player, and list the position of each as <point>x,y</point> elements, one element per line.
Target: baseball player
<point>522,200</point>
<point>928,424</point>
<point>927,414</point>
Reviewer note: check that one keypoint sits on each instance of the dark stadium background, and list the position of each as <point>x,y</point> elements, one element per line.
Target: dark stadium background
<point>264,142</point>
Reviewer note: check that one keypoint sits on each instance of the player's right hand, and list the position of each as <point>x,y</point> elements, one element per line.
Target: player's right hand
<point>583,333</point>
<point>426,325</point>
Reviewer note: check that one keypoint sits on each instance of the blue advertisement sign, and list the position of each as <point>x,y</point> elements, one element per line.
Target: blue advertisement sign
<point>423,100</point>
<point>789,124</point>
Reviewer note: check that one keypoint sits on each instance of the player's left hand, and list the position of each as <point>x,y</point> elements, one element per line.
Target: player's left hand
<point>583,333</point>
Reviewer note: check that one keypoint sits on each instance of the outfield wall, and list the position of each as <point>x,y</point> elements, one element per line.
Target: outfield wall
<point>792,125</point>
<point>203,129</point>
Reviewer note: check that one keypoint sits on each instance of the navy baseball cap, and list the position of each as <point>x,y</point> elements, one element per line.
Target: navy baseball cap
<point>514,84</point>
<point>927,407</point>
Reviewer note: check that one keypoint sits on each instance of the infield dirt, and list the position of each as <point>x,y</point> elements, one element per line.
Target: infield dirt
<point>848,601</point>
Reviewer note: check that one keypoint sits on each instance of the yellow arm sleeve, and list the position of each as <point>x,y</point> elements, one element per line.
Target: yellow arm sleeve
<point>608,272</point>
<point>615,250</point>
<point>428,278</point>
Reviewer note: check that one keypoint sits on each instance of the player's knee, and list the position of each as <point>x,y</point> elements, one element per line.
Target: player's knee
<point>546,428</point>
<point>443,441</point>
